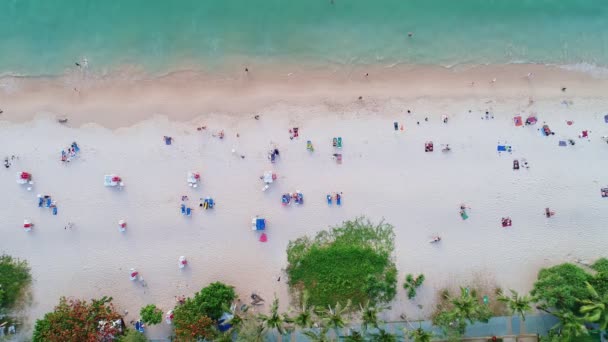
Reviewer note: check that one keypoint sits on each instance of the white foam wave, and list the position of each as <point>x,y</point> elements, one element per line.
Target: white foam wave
<point>594,70</point>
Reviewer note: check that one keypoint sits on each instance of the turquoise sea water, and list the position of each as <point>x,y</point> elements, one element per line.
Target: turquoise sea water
<point>39,37</point>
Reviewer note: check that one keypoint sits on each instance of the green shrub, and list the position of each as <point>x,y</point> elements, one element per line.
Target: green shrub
<point>151,315</point>
<point>15,278</point>
<point>352,261</point>
<point>561,287</point>
<point>133,336</point>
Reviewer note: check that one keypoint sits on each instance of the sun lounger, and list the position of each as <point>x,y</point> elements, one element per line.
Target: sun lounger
<point>338,199</point>
<point>258,223</point>
<point>329,199</point>
<point>339,142</point>
<point>183,209</point>
<point>503,148</point>
<point>55,210</point>
<point>563,143</point>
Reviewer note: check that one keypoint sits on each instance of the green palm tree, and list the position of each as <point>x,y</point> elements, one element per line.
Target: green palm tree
<point>570,325</point>
<point>466,305</point>
<point>304,318</point>
<point>251,331</point>
<point>420,335</point>
<point>334,317</point>
<point>275,320</point>
<point>383,336</point>
<point>595,309</point>
<point>318,336</point>
<point>517,305</point>
<point>369,315</point>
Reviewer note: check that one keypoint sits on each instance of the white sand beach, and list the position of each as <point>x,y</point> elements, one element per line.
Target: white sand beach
<point>385,174</point>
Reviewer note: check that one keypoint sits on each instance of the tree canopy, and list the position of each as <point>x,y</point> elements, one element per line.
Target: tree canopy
<point>75,320</point>
<point>194,319</point>
<point>561,287</point>
<point>349,262</point>
<point>14,280</point>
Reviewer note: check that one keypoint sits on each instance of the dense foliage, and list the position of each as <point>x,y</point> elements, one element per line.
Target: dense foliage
<point>411,284</point>
<point>133,336</point>
<point>151,315</point>
<point>75,320</point>
<point>195,318</point>
<point>561,287</point>
<point>350,262</point>
<point>14,280</point>
<point>454,313</point>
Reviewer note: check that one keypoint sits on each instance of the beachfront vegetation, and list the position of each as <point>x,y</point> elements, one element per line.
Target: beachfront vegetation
<point>411,284</point>
<point>75,320</point>
<point>196,317</point>
<point>133,336</point>
<point>151,315</point>
<point>419,335</point>
<point>454,313</point>
<point>15,279</point>
<point>575,296</point>
<point>561,287</point>
<point>350,262</point>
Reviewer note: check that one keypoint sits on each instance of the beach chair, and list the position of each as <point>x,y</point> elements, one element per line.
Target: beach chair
<point>139,326</point>
<point>183,209</point>
<point>531,120</point>
<point>258,223</point>
<point>503,148</point>
<point>285,199</point>
<point>329,199</point>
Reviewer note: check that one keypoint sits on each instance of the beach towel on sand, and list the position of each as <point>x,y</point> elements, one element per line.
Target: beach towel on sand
<point>606,118</point>
<point>503,148</point>
<point>518,121</point>
<point>563,143</point>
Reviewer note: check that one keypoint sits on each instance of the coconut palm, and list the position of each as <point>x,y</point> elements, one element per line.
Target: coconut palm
<point>467,306</point>
<point>334,317</point>
<point>516,304</point>
<point>383,336</point>
<point>420,335</point>
<point>369,315</point>
<point>304,318</point>
<point>595,309</point>
<point>318,335</point>
<point>570,325</point>
<point>275,320</point>
<point>251,331</point>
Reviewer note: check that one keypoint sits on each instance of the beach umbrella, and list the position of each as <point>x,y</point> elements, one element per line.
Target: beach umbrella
<point>27,225</point>
<point>122,225</point>
<point>169,317</point>
<point>133,274</point>
<point>182,262</point>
